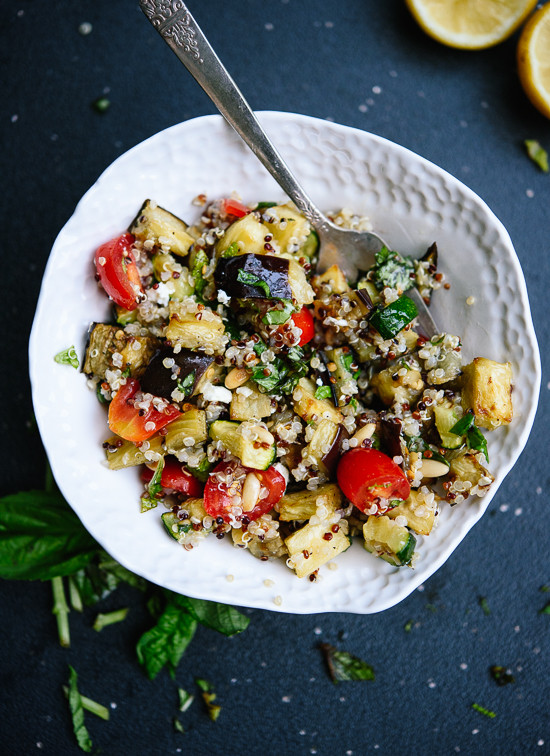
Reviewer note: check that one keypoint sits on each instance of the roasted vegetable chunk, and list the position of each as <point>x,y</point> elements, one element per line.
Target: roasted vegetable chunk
<point>487,390</point>
<point>154,223</point>
<point>111,347</point>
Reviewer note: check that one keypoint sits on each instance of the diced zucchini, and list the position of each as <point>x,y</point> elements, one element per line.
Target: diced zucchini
<point>390,320</point>
<point>186,530</point>
<point>250,404</point>
<point>190,425</point>
<point>288,227</point>
<point>123,316</point>
<point>272,548</point>
<point>341,360</point>
<point>388,540</point>
<point>466,468</point>
<point>164,266</point>
<point>445,418</point>
<point>247,232</point>
<point>197,331</point>
<point>106,340</point>
<point>420,516</point>
<point>301,290</point>
<point>311,409</point>
<point>334,278</point>
<point>371,289</point>
<point>487,390</point>
<point>162,227</point>
<point>314,545</point>
<point>310,246</point>
<point>121,453</point>
<point>252,444</point>
<point>301,505</point>
<point>392,387</point>
<point>322,442</point>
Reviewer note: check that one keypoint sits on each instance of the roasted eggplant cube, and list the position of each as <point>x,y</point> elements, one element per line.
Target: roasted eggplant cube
<point>169,370</point>
<point>247,403</point>
<point>202,330</point>
<point>154,223</point>
<point>190,425</point>
<point>301,505</point>
<point>121,453</point>
<point>288,228</point>
<point>104,341</point>
<point>251,276</point>
<point>467,475</point>
<point>311,409</point>
<point>487,390</point>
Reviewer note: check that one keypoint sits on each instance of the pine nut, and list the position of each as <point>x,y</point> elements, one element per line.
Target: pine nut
<point>236,377</point>
<point>365,432</point>
<point>433,468</point>
<point>251,492</point>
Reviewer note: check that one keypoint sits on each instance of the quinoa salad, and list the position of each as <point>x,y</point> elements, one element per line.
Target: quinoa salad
<point>292,412</point>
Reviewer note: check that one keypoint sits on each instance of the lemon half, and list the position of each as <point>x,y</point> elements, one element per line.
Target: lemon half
<point>470,24</point>
<point>534,59</point>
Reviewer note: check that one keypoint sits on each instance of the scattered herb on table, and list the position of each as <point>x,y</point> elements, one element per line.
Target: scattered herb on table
<point>77,713</point>
<point>67,357</point>
<point>185,699</point>
<point>501,675</point>
<point>344,666</point>
<point>484,606</point>
<point>407,627</point>
<point>484,711</point>
<point>110,618</point>
<point>209,696</point>
<point>545,609</point>
<point>101,105</point>
<point>538,154</point>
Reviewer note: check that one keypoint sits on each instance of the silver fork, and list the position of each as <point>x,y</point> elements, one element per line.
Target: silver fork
<point>350,250</point>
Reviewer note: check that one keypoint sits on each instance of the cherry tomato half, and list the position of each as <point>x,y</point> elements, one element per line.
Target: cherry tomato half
<point>235,208</point>
<point>368,477</point>
<point>304,321</point>
<point>175,476</point>
<point>127,421</point>
<point>118,273</point>
<point>218,492</point>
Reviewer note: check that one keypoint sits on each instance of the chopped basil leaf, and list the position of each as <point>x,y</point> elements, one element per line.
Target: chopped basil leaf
<point>165,643</point>
<point>178,727</point>
<point>101,105</point>
<point>281,377</point>
<point>249,278</point>
<point>476,440</point>
<point>67,357</point>
<point>77,713</point>
<point>209,696</point>
<point>201,261</point>
<point>263,205</point>
<point>186,386</point>
<point>347,361</point>
<point>232,250</point>
<point>538,154</point>
<point>463,425</point>
<point>501,675</point>
<point>224,619</point>
<point>110,618</point>
<point>279,316</point>
<point>408,626</point>
<point>483,710</point>
<point>202,471</point>
<point>344,666</point>
<point>544,589</point>
<point>92,706</point>
<point>185,699</point>
<point>150,501</point>
<point>484,605</point>
<point>545,609</point>
<point>323,392</point>
<point>390,269</point>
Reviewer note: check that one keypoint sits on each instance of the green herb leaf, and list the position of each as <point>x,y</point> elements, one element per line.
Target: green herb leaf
<point>545,609</point>
<point>110,618</point>
<point>249,278</point>
<point>101,105</point>
<point>347,361</point>
<point>101,576</point>
<point>178,727</point>
<point>463,425</point>
<point>282,377</point>
<point>67,357</point>
<point>538,154</point>
<point>279,316</point>
<point>209,696</point>
<point>224,619</point>
<point>476,440</point>
<point>92,706</point>
<point>501,675</point>
<point>484,605</point>
<point>77,713</point>
<point>483,710</point>
<point>165,643</point>
<point>186,386</point>
<point>407,627</point>
<point>390,269</point>
<point>199,264</point>
<point>41,537</point>
<point>232,250</point>
<point>185,699</point>
<point>150,501</point>
<point>323,392</point>
<point>202,471</point>
<point>344,666</point>
<point>263,205</point>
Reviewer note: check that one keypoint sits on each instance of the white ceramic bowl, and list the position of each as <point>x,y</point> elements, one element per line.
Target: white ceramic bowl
<point>411,203</point>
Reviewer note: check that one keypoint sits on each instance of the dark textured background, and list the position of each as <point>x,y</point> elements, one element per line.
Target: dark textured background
<point>464,111</point>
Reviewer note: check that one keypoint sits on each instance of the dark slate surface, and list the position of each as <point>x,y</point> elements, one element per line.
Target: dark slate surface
<point>465,112</point>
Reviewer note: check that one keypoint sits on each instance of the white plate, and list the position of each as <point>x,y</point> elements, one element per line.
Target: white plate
<point>411,203</point>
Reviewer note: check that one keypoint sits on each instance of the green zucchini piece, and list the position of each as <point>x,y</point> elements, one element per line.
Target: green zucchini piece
<point>445,419</point>
<point>388,540</point>
<point>191,424</point>
<point>310,246</point>
<point>258,453</point>
<point>393,318</point>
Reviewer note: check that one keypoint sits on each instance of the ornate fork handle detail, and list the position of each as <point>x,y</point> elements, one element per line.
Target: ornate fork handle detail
<point>173,21</point>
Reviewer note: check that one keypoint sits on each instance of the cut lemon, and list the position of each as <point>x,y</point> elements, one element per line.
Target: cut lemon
<point>470,24</point>
<point>534,59</point>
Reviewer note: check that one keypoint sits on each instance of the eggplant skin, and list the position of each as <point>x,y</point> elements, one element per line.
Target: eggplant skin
<point>332,457</point>
<point>268,268</point>
<point>157,378</point>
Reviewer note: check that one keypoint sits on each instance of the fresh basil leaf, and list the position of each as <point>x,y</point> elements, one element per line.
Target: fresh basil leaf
<point>476,440</point>
<point>101,576</point>
<point>279,316</point>
<point>347,361</point>
<point>209,696</point>
<point>67,357</point>
<point>185,699</point>
<point>178,727</point>
<point>344,666</point>
<point>393,270</point>
<point>323,392</point>
<point>538,154</point>
<point>249,278</point>
<point>77,713</point>
<point>150,501</point>
<point>502,675</point>
<point>165,643</point>
<point>545,609</point>
<point>41,537</point>
<point>201,260</point>
<point>463,425</point>
<point>109,618</point>
<point>231,251</point>
<point>263,205</point>
<point>484,604</point>
<point>225,619</point>
<point>186,386</point>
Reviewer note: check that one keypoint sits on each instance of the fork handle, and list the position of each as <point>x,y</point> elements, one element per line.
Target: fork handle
<point>180,31</point>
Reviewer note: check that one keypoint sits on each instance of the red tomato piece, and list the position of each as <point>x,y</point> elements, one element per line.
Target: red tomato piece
<point>118,273</point>
<point>370,478</point>
<point>175,476</point>
<point>235,208</point>
<point>133,423</point>
<point>227,480</point>
<point>304,321</point>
